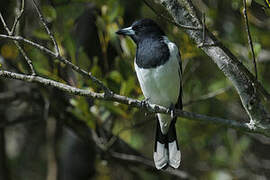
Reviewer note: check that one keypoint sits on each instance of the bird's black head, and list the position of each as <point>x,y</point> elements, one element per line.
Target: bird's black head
<point>142,29</point>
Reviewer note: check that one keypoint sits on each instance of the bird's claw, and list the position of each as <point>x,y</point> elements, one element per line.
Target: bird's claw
<point>145,102</point>
<point>172,111</point>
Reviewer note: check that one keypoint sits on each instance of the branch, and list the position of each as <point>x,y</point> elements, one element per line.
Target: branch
<point>248,88</point>
<point>42,19</point>
<point>247,127</point>
<point>62,59</point>
<point>250,39</point>
<point>11,32</point>
<point>17,18</point>
<point>51,53</point>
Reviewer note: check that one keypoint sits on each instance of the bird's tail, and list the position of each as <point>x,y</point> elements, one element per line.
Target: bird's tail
<point>174,151</point>
<point>166,150</point>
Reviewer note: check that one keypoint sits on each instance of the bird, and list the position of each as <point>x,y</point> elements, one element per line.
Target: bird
<point>158,68</point>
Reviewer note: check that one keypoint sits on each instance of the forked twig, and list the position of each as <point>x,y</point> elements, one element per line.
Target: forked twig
<point>10,33</point>
<point>17,18</point>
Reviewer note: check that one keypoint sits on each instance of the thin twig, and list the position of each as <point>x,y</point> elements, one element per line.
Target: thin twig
<point>38,46</point>
<point>27,59</point>
<point>4,24</point>
<point>250,39</point>
<point>17,18</point>
<point>107,91</point>
<point>44,22</point>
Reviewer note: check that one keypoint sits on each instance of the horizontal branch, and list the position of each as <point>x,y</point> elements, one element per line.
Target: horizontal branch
<point>247,127</point>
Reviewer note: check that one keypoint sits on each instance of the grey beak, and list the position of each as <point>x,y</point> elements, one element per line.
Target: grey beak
<point>126,31</point>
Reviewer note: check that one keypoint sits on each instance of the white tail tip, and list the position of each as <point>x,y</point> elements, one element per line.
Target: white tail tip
<point>174,155</point>
<point>161,156</point>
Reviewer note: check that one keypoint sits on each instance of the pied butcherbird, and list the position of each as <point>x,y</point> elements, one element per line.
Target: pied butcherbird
<point>158,68</point>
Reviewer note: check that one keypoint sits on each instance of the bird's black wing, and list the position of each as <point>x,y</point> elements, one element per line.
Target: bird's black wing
<point>179,104</point>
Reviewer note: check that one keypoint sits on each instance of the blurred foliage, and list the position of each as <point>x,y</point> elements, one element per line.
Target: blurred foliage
<point>85,31</point>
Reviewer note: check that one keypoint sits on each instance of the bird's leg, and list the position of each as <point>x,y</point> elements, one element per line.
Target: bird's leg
<point>172,110</point>
<point>145,102</point>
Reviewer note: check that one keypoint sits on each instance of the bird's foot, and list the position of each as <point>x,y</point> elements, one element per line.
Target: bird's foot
<point>145,102</point>
<point>172,110</point>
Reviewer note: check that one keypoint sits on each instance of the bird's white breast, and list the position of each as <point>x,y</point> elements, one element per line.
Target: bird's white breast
<point>162,84</point>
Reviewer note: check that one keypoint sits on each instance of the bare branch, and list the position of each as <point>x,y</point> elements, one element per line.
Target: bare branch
<point>38,46</point>
<point>107,91</point>
<point>250,38</point>
<point>4,23</point>
<point>17,18</point>
<point>136,103</point>
<point>27,59</point>
<point>42,19</point>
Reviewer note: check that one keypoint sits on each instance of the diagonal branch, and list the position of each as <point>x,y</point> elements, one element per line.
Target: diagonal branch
<point>10,33</point>
<point>42,19</point>
<point>247,127</point>
<point>248,88</point>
